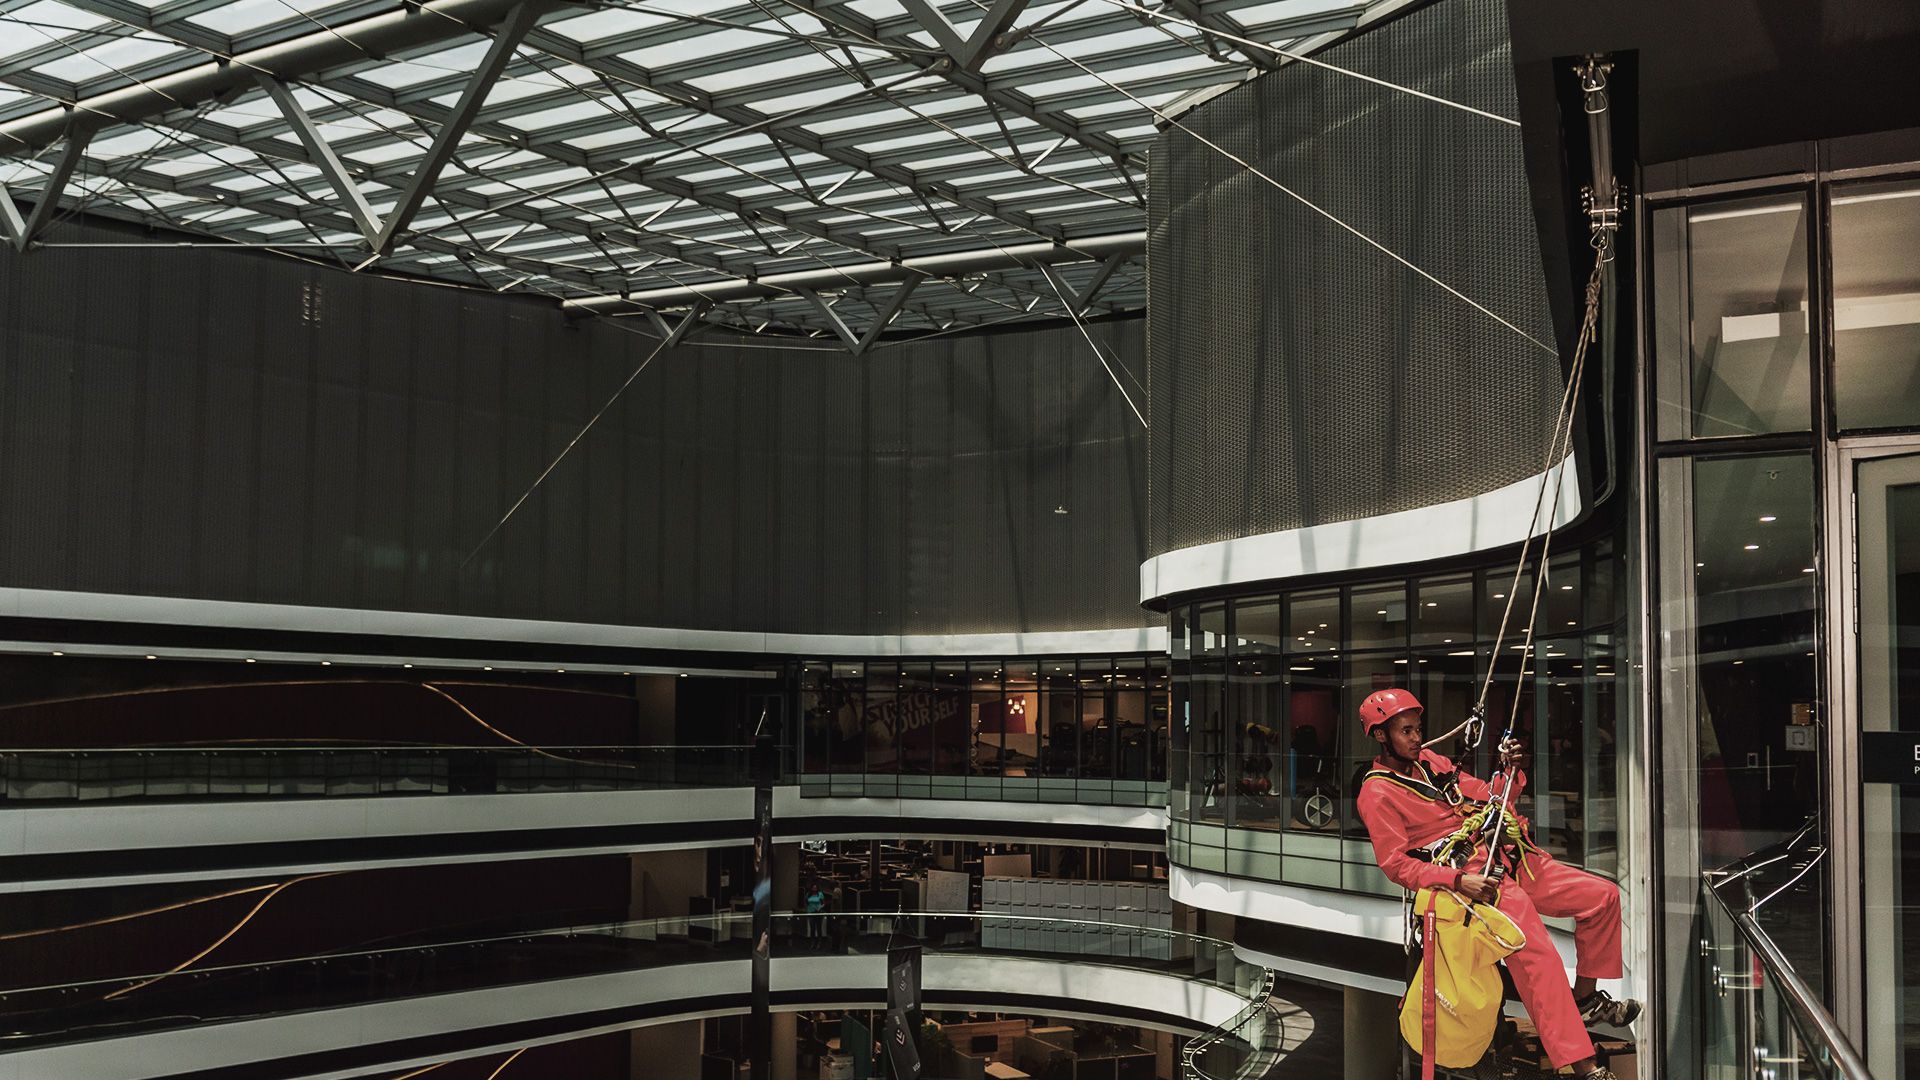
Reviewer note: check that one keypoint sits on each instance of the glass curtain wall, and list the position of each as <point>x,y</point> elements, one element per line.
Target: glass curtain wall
<point>1060,729</point>
<point>1735,495</point>
<point>1267,755</point>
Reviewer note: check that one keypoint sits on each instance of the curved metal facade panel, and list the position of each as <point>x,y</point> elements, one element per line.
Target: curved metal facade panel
<point>1299,376</point>
<point>222,426</point>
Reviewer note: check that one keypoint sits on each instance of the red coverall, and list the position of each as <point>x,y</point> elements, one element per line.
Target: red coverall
<point>1401,817</point>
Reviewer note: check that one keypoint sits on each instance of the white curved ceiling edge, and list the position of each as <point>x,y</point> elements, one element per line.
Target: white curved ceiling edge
<point>234,614</point>
<point>1479,523</point>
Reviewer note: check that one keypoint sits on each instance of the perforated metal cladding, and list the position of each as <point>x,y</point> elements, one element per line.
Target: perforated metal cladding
<point>227,426</point>
<point>1298,376</point>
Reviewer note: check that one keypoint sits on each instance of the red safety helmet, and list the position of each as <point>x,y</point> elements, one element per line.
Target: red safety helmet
<point>1383,705</point>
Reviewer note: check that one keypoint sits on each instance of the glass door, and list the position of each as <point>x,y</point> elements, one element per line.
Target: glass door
<point>1887,505</point>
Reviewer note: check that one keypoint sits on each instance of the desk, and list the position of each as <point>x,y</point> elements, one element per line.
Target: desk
<point>998,1071</point>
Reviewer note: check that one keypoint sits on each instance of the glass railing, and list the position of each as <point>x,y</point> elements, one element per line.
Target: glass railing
<point>54,776</point>
<point>205,992</point>
<point>1763,1017</point>
<point>1131,790</point>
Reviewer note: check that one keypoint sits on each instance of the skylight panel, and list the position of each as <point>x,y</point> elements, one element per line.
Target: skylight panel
<point>697,47</point>
<point>130,142</point>
<point>600,140</point>
<point>241,17</point>
<point>50,17</point>
<point>1293,9</point>
<point>1036,54</point>
<point>558,116</point>
<point>275,228</point>
<point>603,25</point>
<point>107,58</point>
<point>873,119</point>
<point>768,73</point>
<point>379,155</point>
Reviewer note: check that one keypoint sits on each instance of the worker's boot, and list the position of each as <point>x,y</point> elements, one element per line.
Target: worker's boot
<point>1601,1007</point>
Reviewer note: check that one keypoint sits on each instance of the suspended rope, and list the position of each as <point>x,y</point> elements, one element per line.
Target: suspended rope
<point>1558,456</point>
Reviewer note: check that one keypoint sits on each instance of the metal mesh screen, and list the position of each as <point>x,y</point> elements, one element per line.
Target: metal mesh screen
<point>230,426</point>
<point>1298,376</point>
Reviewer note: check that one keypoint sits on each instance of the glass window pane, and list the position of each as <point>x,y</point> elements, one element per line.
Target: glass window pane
<point>1206,752</point>
<point>1254,678</point>
<point>1312,784</point>
<point>913,718</point>
<point>816,728</point>
<point>1730,299</point>
<point>1256,625</point>
<point>1133,743</point>
<point>988,715</point>
<point>1020,742</point>
<point>1096,719</point>
<point>846,697</point>
<point>1738,679</point>
<point>882,713</point>
<point>1445,614</point>
<point>1379,617</point>
<point>1876,305</point>
<point>950,724</point>
<point>1313,622</point>
<point>1559,598</point>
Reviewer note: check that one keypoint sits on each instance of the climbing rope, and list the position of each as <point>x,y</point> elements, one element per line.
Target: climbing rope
<point>1559,448</point>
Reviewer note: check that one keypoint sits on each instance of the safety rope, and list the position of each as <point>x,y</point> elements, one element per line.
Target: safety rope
<point>1559,448</point>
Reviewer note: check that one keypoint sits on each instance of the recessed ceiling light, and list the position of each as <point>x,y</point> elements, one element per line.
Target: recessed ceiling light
<point>1499,596</point>
<point>486,669</point>
<point>1737,663</point>
<point>1698,565</point>
<point>1461,652</point>
<point>1753,547</point>
<point>1566,588</point>
<point>150,656</point>
<point>326,663</point>
<point>1323,626</point>
<point>1399,661</point>
<point>1767,518</point>
<point>1806,569</point>
<point>560,671</point>
<point>1433,603</point>
<point>57,652</point>
<point>406,665</point>
<point>1571,622</point>
<point>683,674</point>
<point>250,660</point>
<point>1382,611</point>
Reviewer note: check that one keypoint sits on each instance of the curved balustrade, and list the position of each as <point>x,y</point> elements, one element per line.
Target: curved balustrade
<point>52,776</point>
<point>1763,1018</point>
<point>1246,1046</point>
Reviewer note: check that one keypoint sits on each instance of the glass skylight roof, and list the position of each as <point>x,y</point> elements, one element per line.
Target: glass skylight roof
<point>638,146</point>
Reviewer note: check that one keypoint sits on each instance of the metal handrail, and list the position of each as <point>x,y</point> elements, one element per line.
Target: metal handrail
<point>1805,1001</point>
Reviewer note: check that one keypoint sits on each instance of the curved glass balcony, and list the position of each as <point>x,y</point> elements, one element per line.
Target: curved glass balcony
<point>54,776</point>
<point>1245,1046</point>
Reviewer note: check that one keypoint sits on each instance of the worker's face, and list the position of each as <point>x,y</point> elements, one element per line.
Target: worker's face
<point>1400,736</point>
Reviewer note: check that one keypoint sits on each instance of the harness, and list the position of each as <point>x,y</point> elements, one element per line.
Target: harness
<point>1477,818</point>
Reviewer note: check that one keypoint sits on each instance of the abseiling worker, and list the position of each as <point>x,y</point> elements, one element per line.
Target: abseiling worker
<point>1413,798</point>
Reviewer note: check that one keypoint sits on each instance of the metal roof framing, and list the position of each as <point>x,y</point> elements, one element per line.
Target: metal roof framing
<point>839,168</point>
